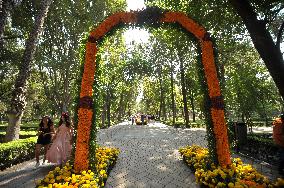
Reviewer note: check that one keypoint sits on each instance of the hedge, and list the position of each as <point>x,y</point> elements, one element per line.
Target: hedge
<point>179,124</point>
<point>23,135</point>
<point>4,128</point>
<point>261,149</point>
<point>17,151</point>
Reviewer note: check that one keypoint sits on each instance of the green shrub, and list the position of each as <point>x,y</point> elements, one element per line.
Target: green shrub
<point>23,135</point>
<point>261,149</point>
<point>31,133</point>
<point>180,123</point>
<point>17,151</point>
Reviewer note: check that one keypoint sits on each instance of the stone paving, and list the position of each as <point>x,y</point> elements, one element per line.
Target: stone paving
<point>23,175</point>
<point>149,155</point>
<point>148,158</point>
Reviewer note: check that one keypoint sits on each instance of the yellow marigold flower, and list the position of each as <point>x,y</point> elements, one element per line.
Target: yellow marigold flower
<point>220,184</point>
<point>52,181</point>
<point>223,175</point>
<point>231,185</point>
<point>46,180</point>
<point>58,177</point>
<point>51,176</point>
<point>38,182</point>
<point>73,180</point>
<point>102,172</point>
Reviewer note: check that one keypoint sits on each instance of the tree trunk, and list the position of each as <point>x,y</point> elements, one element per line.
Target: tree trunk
<point>192,106</point>
<point>185,108</point>
<point>18,102</point>
<point>5,9</point>
<point>265,113</point>
<point>173,97</point>
<point>108,108</point>
<point>243,117</point>
<point>124,109</point>
<point>120,107</point>
<point>162,100</point>
<point>66,94</point>
<point>263,42</point>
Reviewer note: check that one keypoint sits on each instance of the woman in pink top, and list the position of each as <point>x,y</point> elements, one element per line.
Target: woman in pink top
<point>60,150</point>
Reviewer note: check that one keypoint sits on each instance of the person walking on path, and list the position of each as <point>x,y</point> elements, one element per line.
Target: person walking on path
<point>142,119</point>
<point>45,132</point>
<point>278,137</point>
<point>132,119</point>
<point>60,150</point>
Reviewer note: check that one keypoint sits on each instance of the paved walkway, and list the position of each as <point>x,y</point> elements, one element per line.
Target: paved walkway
<point>148,158</point>
<point>23,175</point>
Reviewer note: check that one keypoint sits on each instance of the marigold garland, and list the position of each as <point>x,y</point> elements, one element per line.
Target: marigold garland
<point>83,136</point>
<point>85,115</point>
<point>210,69</point>
<point>190,25</point>
<point>89,70</point>
<point>128,17</point>
<point>220,131</point>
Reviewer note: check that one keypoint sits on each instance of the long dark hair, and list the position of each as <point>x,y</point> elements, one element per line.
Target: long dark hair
<point>67,119</point>
<point>49,122</point>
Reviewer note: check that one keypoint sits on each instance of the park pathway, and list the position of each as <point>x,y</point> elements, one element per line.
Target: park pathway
<point>149,155</point>
<point>148,158</point>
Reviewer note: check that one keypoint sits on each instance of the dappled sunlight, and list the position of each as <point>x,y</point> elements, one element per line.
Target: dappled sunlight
<point>149,154</point>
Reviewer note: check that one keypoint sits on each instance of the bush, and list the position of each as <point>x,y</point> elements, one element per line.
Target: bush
<point>17,151</point>
<point>260,148</point>
<point>4,128</point>
<point>181,124</point>
<point>23,135</point>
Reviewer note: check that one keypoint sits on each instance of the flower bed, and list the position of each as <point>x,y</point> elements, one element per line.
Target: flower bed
<point>68,177</point>
<point>235,175</point>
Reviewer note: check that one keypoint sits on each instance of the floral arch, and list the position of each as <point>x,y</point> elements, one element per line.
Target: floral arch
<point>215,102</point>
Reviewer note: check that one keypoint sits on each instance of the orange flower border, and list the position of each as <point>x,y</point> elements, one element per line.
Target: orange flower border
<point>85,112</point>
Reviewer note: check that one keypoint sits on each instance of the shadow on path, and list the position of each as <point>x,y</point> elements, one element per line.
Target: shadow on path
<point>23,175</point>
<point>149,155</point>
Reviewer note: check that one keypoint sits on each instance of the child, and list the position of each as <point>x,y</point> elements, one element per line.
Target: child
<point>45,132</point>
<point>60,150</point>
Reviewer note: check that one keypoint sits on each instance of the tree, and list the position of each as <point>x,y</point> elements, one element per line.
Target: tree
<point>18,102</point>
<point>268,50</point>
<point>5,9</point>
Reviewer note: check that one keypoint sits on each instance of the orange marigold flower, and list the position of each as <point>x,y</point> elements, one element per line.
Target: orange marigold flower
<point>210,69</point>
<point>221,136</point>
<point>89,70</point>
<point>83,137</point>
